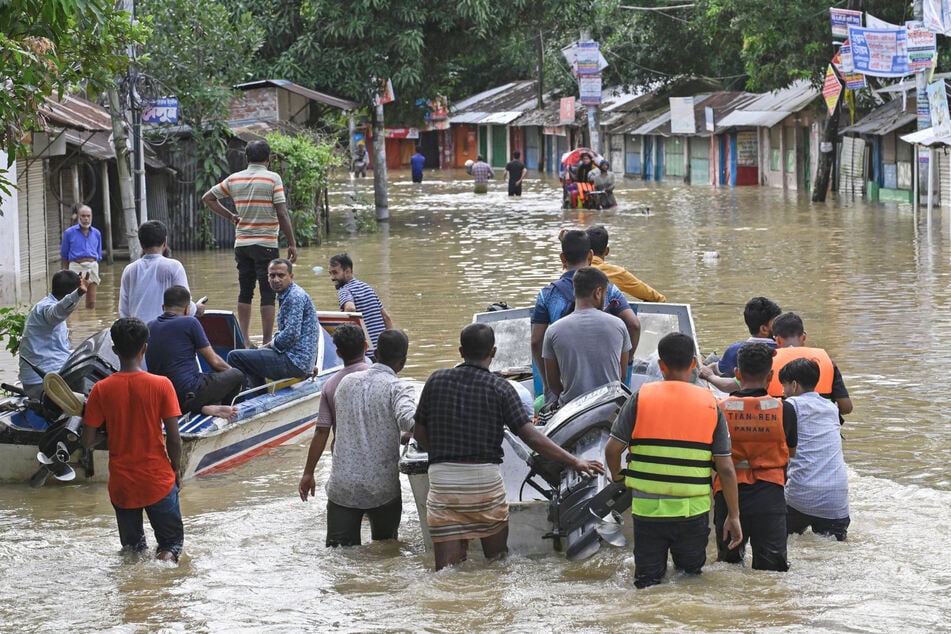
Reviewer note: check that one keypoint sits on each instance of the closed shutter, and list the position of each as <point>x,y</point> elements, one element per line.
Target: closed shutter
<point>943,174</point>
<point>699,161</point>
<point>632,155</point>
<point>34,254</point>
<point>673,155</point>
<point>617,153</point>
<point>852,167</point>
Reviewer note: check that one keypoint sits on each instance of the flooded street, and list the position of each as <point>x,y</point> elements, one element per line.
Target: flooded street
<point>871,284</point>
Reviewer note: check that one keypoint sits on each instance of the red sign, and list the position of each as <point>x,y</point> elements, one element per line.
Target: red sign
<point>831,89</point>
<point>401,133</point>
<point>566,110</point>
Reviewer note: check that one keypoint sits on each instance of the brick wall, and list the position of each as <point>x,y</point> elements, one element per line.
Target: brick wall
<point>257,103</point>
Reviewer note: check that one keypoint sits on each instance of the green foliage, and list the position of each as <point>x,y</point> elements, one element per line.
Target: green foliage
<point>197,52</point>
<point>363,211</point>
<point>52,46</point>
<point>305,163</point>
<point>12,321</point>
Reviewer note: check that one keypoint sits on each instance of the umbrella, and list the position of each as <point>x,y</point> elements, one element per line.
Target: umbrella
<point>574,156</point>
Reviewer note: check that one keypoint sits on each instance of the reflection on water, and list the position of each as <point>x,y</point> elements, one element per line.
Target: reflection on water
<point>870,284</point>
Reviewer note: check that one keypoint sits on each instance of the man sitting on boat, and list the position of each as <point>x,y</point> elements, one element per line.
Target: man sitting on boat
<point>588,348</point>
<point>175,338</point>
<point>558,299</point>
<point>293,350</point>
<point>44,345</point>
<point>356,296</point>
<point>618,275</point>
<point>460,420</point>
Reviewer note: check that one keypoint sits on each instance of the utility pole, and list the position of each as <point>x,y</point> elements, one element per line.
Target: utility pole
<point>540,64</point>
<point>379,164</point>
<point>921,92</point>
<point>594,124</point>
<point>124,170</point>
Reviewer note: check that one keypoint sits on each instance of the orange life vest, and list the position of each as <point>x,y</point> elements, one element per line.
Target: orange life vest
<point>785,355</point>
<point>759,440</point>
<point>670,460</point>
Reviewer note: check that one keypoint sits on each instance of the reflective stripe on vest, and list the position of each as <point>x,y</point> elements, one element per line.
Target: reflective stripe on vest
<point>785,355</point>
<point>758,437</point>
<point>670,459</point>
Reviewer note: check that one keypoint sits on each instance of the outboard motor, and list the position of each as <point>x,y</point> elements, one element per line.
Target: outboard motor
<point>581,427</point>
<point>91,361</point>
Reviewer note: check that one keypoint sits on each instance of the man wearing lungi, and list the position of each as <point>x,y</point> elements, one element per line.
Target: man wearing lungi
<point>460,419</point>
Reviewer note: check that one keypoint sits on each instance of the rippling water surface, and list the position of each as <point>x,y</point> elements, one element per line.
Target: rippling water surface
<point>871,283</point>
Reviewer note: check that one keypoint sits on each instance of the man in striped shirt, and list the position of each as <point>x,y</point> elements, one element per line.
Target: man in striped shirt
<point>258,196</point>
<point>355,296</point>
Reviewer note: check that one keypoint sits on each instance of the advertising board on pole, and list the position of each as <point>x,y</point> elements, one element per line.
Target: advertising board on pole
<point>588,59</point>
<point>841,19</point>
<point>589,89</point>
<point>922,46</point>
<point>682,118</point>
<point>938,102</point>
<point>880,52</point>
<point>831,89</point>
<point>566,110</point>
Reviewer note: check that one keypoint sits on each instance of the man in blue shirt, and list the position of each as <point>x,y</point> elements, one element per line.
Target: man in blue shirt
<point>45,340</point>
<point>175,337</point>
<point>558,299</point>
<point>356,297</point>
<point>81,251</point>
<point>416,162</point>
<point>293,350</point>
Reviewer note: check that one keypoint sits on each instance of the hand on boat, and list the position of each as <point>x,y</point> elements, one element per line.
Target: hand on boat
<point>307,487</point>
<point>732,532</point>
<point>590,467</point>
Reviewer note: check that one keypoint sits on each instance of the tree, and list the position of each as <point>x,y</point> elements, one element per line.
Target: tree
<point>53,46</point>
<point>198,52</point>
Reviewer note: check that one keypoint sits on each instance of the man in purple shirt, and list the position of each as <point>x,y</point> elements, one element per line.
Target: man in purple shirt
<point>81,251</point>
<point>351,347</point>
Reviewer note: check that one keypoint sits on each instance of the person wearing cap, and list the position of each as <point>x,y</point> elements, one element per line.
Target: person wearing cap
<point>603,181</point>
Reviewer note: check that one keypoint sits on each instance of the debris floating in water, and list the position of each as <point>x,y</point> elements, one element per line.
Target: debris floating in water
<point>317,269</point>
<point>711,256</point>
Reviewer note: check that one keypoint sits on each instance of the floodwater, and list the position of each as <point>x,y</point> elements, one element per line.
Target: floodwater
<point>871,283</point>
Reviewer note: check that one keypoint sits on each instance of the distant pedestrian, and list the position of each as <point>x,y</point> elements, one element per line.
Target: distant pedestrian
<point>144,463</point>
<point>360,160</point>
<point>481,172</point>
<point>356,297</point>
<point>81,251</point>
<point>258,195</point>
<point>516,171</point>
<point>145,281</point>
<point>416,162</point>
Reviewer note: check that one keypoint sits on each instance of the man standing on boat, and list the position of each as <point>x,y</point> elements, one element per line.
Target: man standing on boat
<point>558,299</point>
<point>588,348</point>
<point>461,418</point>
<point>372,410</point>
<point>45,341</point>
<point>351,346</point>
<point>258,196</point>
<point>618,275</point>
<point>675,434</point>
<point>145,281</point>
<point>81,251</point>
<point>293,350</point>
<point>175,338</point>
<point>355,296</point>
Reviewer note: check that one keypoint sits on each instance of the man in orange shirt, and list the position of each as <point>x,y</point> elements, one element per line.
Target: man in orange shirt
<point>143,466</point>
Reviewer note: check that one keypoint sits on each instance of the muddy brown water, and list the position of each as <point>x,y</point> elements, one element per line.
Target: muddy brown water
<point>871,283</point>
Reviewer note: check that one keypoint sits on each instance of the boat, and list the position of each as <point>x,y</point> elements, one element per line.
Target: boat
<point>552,508</point>
<point>276,414</point>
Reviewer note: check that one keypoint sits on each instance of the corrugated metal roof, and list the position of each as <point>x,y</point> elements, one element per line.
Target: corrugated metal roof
<point>500,105</point>
<point>753,118</point>
<point>550,116</point>
<point>927,137</point>
<point>86,125</point>
<point>885,119</point>
<point>768,109</point>
<point>313,95</point>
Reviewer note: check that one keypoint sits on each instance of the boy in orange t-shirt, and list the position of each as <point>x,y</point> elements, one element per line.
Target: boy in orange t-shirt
<point>143,466</point>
